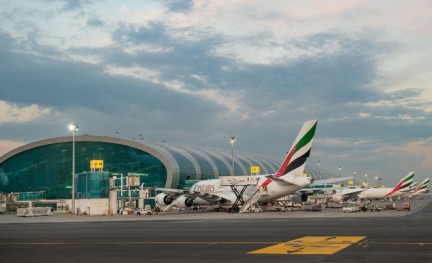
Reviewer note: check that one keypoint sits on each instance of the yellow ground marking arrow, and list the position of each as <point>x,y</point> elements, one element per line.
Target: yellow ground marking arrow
<point>316,245</point>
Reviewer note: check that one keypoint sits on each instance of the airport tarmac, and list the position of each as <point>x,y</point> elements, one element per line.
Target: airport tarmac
<point>328,236</point>
<point>210,215</point>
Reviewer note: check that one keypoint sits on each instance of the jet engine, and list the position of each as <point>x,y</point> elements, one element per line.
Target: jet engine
<point>183,202</point>
<point>299,198</point>
<point>163,199</point>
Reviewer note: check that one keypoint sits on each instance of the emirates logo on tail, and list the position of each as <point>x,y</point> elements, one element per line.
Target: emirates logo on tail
<point>404,184</point>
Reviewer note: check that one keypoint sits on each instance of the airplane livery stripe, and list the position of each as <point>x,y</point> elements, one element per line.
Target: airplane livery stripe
<point>306,138</point>
<point>403,184</point>
<point>297,162</point>
<point>423,185</point>
<point>288,165</point>
<point>304,141</point>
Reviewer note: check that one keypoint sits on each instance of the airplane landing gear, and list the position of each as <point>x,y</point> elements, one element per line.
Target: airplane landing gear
<point>234,209</point>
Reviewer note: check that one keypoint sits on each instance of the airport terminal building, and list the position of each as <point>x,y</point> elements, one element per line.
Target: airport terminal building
<point>42,170</point>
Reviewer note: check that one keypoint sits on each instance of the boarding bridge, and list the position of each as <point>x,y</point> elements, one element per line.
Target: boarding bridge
<point>239,185</point>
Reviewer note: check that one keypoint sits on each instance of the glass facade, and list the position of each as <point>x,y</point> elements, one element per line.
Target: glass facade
<point>223,169</point>
<point>48,168</point>
<point>207,171</point>
<point>92,185</point>
<point>187,170</point>
<point>42,170</point>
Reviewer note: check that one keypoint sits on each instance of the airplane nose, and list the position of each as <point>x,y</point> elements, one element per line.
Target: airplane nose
<point>311,180</point>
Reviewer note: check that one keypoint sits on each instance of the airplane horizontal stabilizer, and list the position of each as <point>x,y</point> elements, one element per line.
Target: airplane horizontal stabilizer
<point>280,180</point>
<point>290,179</point>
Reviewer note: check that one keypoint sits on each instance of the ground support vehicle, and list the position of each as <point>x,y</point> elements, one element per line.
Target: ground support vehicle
<point>406,206</point>
<point>375,208</point>
<point>363,207</point>
<point>142,211</point>
<point>350,208</point>
<point>312,207</point>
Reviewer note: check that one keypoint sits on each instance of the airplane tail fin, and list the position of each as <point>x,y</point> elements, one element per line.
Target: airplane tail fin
<point>295,159</point>
<point>423,185</point>
<point>404,184</point>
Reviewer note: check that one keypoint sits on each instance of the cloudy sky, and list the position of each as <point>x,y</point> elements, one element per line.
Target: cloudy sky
<point>197,72</point>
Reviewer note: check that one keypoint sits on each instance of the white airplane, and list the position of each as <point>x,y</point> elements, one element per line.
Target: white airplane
<point>344,194</point>
<point>287,180</point>
<point>302,195</point>
<point>412,187</point>
<point>381,193</point>
<point>423,188</point>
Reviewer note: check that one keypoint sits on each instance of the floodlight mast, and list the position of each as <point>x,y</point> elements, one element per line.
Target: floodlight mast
<point>74,128</point>
<point>232,141</point>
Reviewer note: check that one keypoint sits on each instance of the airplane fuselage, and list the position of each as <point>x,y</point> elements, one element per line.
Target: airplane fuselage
<point>216,193</point>
<point>378,193</point>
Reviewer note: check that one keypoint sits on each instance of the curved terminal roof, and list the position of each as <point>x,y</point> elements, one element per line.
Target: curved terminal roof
<point>198,163</point>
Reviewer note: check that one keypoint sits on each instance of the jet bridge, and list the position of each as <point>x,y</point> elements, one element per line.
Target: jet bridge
<point>238,185</point>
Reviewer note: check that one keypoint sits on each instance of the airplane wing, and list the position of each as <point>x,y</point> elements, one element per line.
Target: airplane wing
<point>347,194</point>
<point>289,179</point>
<point>352,192</point>
<point>214,198</point>
<point>319,185</point>
<point>331,180</point>
<point>280,180</point>
<point>172,191</point>
<point>211,198</point>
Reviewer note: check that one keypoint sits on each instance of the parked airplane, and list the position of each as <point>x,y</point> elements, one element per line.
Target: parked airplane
<point>302,195</point>
<point>380,193</point>
<point>344,194</point>
<point>423,188</point>
<point>412,187</point>
<point>287,180</point>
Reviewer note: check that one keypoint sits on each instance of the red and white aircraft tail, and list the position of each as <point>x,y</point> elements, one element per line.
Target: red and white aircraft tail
<point>400,189</point>
<point>403,185</point>
<point>422,188</point>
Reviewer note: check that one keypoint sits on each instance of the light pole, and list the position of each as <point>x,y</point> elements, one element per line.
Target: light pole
<point>232,141</point>
<point>366,183</point>
<point>378,181</point>
<point>354,173</point>
<point>319,169</point>
<point>74,128</point>
<point>340,168</point>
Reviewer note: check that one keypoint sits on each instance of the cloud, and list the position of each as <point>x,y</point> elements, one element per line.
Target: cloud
<point>179,5</point>
<point>12,113</point>
<point>215,96</point>
<point>96,22</point>
<point>338,142</point>
<point>199,71</point>
<point>403,117</point>
<point>418,150</point>
<point>70,5</point>
<point>409,99</point>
